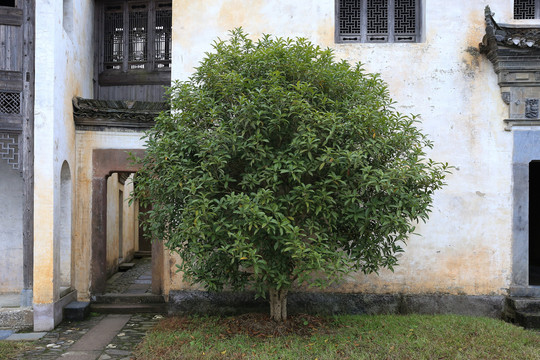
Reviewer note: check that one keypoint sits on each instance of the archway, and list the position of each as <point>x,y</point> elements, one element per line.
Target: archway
<point>107,162</point>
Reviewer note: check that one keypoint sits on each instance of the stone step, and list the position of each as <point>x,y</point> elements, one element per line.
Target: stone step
<point>142,254</point>
<point>524,311</point>
<point>123,267</point>
<point>159,308</point>
<point>128,299</point>
<point>76,310</point>
<point>524,304</point>
<point>528,320</point>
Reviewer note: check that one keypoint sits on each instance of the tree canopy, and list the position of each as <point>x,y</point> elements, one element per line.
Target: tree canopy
<point>276,161</point>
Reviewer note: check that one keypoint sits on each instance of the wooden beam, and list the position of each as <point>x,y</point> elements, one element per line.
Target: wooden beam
<point>11,16</point>
<point>11,81</point>
<point>135,77</point>
<point>27,152</point>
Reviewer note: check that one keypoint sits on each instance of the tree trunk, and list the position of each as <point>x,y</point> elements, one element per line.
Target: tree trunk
<point>278,304</point>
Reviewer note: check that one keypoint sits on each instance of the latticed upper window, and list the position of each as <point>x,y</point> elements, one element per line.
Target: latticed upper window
<point>10,103</point>
<point>378,20</point>
<point>526,9</point>
<point>137,35</point>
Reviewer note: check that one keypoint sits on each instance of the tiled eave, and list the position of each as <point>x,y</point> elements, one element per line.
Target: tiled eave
<point>512,50</point>
<point>92,114</point>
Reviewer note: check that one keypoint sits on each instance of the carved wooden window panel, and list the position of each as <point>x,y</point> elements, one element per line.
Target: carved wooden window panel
<point>526,9</point>
<point>135,37</point>
<point>10,103</point>
<point>376,21</point>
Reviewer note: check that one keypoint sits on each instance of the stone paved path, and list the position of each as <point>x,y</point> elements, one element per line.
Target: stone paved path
<point>137,280</point>
<point>101,337</point>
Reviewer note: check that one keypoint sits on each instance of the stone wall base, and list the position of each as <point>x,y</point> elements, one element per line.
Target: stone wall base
<point>227,303</point>
<point>47,316</point>
<point>16,318</point>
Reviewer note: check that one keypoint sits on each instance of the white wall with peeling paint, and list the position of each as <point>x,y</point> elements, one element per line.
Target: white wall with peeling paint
<point>465,246</point>
<point>64,69</point>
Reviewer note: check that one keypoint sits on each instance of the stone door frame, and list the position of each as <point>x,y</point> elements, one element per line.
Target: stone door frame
<point>104,163</point>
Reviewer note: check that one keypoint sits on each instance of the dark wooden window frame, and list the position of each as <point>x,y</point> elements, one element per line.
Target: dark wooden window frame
<point>521,5</point>
<point>390,36</point>
<point>125,75</point>
<point>12,3</point>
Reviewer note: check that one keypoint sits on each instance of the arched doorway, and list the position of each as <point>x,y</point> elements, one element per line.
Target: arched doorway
<point>64,230</point>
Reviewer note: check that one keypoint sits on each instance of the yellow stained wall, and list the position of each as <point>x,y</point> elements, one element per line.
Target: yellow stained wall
<point>64,66</point>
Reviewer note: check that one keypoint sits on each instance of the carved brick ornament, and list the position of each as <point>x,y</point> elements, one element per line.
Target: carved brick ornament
<point>506,97</point>
<point>531,108</point>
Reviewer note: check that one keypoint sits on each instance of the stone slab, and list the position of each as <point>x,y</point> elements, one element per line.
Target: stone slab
<point>143,281</point>
<point>80,355</point>
<point>33,336</point>
<point>16,319</point>
<point>5,333</point>
<point>100,335</point>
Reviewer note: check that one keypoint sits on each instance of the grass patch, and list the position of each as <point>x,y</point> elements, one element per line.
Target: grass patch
<point>343,337</point>
<point>10,349</point>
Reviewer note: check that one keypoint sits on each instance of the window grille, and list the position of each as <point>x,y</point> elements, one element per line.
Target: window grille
<point>114,38</point>
<point>163,36</point>
<point>137,35</point>
<point>378,21</point>
<point>9,149</point>
<point>526,9</point>
<point>10,103</point>
<point>138,25</point>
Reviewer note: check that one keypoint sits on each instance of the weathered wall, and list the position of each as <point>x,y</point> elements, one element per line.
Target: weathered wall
<point>87,141</point>
<point>64,60</point>
<point>465,246</point>
<point>11,227</point>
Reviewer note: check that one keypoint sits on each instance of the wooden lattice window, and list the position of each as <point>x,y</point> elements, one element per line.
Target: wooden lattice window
<point>10,103</point>
<point>135,38</point>
<point>378,21</point>
<point>526,9</point>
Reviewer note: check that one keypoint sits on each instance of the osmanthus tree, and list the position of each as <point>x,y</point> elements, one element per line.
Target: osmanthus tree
<point>277,162</point>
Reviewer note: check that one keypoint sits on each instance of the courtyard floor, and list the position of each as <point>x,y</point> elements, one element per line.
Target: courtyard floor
<point>100,336</point>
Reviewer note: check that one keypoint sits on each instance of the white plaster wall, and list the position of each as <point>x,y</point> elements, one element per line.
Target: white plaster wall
<point>11,229</point>
<point>465,247</point>
<point>63,69</point>
<point>87,141</point>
